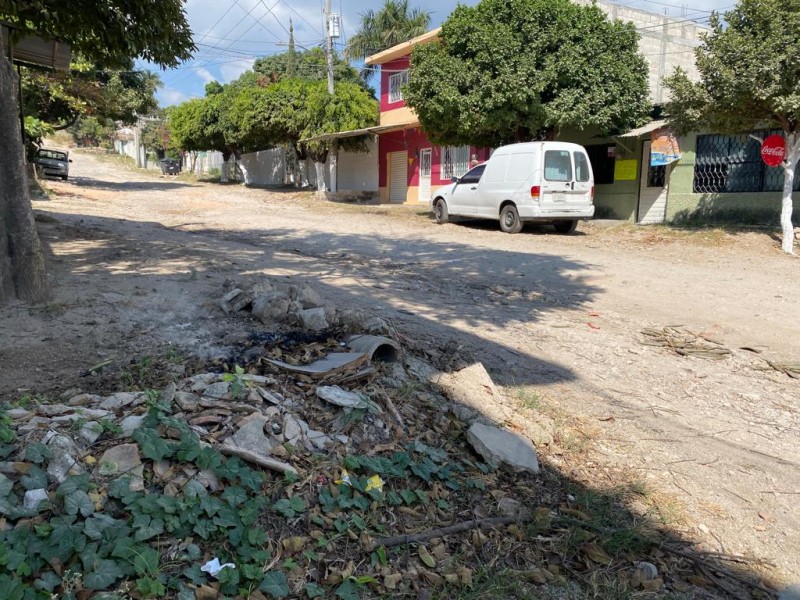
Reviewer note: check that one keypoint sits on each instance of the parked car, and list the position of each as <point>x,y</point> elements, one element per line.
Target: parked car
<point>170,166</point>
<point>53,162</point>
<point>535,181</point>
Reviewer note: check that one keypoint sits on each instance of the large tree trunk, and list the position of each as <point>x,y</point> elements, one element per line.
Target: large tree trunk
<point>320,169</point>
<point>792,156</point>
<point>22,267</point>
<point>223,176</point>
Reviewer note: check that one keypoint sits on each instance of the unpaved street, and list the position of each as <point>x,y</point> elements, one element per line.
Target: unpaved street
<point>139,261</point>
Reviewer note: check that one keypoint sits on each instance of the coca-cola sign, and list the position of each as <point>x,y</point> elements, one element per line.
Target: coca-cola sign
<point>773,150</point>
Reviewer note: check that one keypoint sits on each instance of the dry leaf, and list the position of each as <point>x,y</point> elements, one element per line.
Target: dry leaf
<point>434,579</point>
<point>699,581</point>
<point>451,578</point>
<point>390,582</point>
<point>596,553</point>
<point>293,545</point>
<point>465,575</point>
<point>426,556</point>
<point>653,585</point>
<point>479,538</point>
<point>439,551</point>
<point>578,514</point>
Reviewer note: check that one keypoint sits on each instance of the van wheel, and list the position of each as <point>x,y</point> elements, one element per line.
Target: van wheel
<point>440,211</point>
<point>566,227</point>
<point>509,219</point>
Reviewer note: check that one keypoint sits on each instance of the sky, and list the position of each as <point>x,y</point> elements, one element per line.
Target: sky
<point>231,34</point>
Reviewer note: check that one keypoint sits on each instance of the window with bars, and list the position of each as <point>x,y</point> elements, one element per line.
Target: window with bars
<point>396,82</point>
<point>455,161</point>
<point>732,163</point>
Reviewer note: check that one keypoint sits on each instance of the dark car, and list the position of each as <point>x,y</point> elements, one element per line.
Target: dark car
<point>53,162</point>
<point>170,166</point>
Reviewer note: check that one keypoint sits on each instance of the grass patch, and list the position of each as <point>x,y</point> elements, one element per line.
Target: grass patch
<point>529,398</point>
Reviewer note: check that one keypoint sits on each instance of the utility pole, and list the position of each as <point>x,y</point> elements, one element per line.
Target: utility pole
<point>137,143</point>
<point>331,31</point>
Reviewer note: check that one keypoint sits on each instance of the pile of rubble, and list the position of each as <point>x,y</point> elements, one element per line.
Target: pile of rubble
<point>297,306</point>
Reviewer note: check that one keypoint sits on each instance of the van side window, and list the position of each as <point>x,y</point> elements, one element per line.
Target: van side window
<point>520,167</point>
<point>473,176</point>
<point>496,169</point>
<point>557,165</point>
<point>581,166</point>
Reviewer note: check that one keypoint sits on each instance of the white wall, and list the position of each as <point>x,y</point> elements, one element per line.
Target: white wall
<point>358,171</point>
<point>265,167</point>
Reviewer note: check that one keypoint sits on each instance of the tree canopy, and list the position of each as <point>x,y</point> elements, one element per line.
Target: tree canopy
<point>109,33</point>
<point>392,24</point>
<point>516,70</point>
<point>749,68</point>
<point>309,64</point>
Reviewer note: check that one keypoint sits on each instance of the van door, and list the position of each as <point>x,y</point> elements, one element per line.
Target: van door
<point>465,195</point>
<point>561,190</point>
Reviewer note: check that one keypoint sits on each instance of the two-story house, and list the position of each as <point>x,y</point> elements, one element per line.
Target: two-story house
<point>409,165</point>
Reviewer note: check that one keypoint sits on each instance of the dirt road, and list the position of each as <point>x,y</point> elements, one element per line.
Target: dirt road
<point>138,262</point>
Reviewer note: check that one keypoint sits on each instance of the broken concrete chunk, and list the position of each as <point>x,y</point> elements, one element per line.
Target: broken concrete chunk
<point>271,307</point>
<point>121,400</point>
<point>503,447</point>
<point>64,461</point>
<point>220,390</point>
<point>306,296</point>
<point>123,460</point>
<point>474,394</point>
<point>292,430</point>
<point>314,319</point>
<point>19,414</point>
<point>330,365</point>
<point>262,288</point>
<point>336,395</point>
<point>235,300</point>
<point>251,436</point>
<point>91,431</point>
<point>187,401</point>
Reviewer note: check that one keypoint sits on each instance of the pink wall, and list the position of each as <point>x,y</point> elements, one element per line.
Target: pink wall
<point>413,140</point>
<point>390,68</point>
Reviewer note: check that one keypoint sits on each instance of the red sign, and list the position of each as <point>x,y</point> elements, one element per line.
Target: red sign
<point>773,150</point>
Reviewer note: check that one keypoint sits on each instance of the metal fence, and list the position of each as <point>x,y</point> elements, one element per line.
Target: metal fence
<point>732,163</point>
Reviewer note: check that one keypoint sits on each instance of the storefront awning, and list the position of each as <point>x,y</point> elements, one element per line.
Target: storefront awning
<point>378,129</point>
<point>644,129</point>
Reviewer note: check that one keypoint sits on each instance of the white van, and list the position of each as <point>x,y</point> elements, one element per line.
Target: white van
<point>534,181</point>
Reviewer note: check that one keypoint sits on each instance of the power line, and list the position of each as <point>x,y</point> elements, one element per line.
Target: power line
<point>302,18</point>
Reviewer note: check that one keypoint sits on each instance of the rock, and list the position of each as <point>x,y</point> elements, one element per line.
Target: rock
<point>376,325</point>
<point>422,370</point>
<point>509,507</point>
<point>271,307</point>
<point>645,571</point>
<point>123,460</point>
<point>54,410</point>
<point>790,593</point>
<point>306,296</point>
<point>474,395</point>
<point>120,400</point>
<point>33,424</point>
<point>351,318</point>
<point>503,447</point>
<point>163,469</point>
<point>168,395</point>
<point>219,391</point>
<point>187,401</point>
<point>19,414</point>
<point>313,319</point>
<point>198,383</point>
<point>336,395</point>
<point>130,424</point>
<point>91,431</point>
<point>64,461</point>
<point>251,436</point>
<point>33,498</point>
<point>318,439</point>
<point>262,288</point>
<point>235,300</point>
<point>292,431</point>
<point>84,399</point>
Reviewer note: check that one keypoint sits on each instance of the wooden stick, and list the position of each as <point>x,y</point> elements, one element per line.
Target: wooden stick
<point>700,560</point>
<point>424,536</point>
<point>258,459</point>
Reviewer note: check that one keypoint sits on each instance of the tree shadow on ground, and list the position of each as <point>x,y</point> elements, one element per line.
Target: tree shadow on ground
<point>430,292</point>
<point>126,186</point>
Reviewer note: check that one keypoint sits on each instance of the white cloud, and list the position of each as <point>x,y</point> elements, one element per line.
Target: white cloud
<point>204,74</point>
<point>170,96</point>
<point>232,70</point>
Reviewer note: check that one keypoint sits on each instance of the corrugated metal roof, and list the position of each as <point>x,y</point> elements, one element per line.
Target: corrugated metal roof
<point>649,128</point>
<point>356,132</point>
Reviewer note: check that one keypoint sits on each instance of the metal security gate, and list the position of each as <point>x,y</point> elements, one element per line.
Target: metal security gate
<point>425,175</point>
<point>398,176</point>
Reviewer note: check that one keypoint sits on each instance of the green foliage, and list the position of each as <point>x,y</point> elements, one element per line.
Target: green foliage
<point>392,24</point>
<point>749,69</point>
<point>239,385</point>
<point>309,65</point>
<point>517,70</point>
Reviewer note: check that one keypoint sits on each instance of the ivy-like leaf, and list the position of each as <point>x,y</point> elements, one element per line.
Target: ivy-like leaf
<point>37,453</point>
<point>314,591</point>
<point>234,496</point>
<point>35,479</point>
<point>348,590</point>
<point>146,561</point>
<point>152,444</point>
<point>73,484</point>
<point>275,584</point>
<point>105,573</point>
<point>78,502</point>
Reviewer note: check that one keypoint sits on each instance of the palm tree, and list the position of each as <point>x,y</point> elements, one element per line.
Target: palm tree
<point>392,24</point>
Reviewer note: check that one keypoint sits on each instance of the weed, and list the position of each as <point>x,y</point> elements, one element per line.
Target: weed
<point>529,398</point>
<point>239,385</point>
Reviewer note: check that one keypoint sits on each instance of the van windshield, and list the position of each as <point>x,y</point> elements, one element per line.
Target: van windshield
<point>557,165</point>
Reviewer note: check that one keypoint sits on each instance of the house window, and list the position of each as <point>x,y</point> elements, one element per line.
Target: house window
<point>732,163</point>
<point>455,161</point>
<point>396,81</point>
<point>602,157</point>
